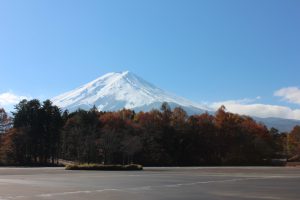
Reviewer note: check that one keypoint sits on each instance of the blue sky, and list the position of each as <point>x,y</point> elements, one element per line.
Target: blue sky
<point>244,53</point>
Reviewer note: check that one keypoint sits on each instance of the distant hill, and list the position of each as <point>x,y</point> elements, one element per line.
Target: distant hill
<point>283,125</point>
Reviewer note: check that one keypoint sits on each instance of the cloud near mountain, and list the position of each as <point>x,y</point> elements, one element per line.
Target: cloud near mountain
<point>258,110</point>
<point>249,107</point>
<point>9,99</point>
<point>289,94</point>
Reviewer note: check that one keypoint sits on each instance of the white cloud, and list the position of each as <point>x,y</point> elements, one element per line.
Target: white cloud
<point>289,94</point>
<point>9,98</point>
<point>260,110</point>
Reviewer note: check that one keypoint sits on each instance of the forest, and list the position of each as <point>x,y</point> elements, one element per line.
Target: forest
<point>42,134</point>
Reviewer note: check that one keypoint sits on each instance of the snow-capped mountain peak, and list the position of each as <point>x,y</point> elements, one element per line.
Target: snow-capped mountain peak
<point>115,91</point>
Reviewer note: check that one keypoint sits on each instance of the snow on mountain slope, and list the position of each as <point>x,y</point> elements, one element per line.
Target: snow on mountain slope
<point>115,91</point>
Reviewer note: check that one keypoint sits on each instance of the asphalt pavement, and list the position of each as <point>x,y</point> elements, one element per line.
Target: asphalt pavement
<point>151,184</point>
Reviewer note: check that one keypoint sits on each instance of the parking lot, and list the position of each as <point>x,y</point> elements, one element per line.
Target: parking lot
<point>152,183</point>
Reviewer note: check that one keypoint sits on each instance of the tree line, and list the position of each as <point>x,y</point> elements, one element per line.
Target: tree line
<point>42,134</point>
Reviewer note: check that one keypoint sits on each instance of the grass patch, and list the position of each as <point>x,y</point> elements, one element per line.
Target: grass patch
<point>132,167</point>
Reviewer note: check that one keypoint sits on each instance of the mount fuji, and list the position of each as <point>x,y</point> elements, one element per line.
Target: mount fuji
<point>115,91</point>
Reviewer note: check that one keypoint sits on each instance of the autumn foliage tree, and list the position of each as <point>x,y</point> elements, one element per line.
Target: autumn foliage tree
<point>42,134</point>
<point>35,136</point>
<point>293,143</point>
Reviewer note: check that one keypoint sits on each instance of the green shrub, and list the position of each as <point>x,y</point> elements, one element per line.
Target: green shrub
<point>104,167</point>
